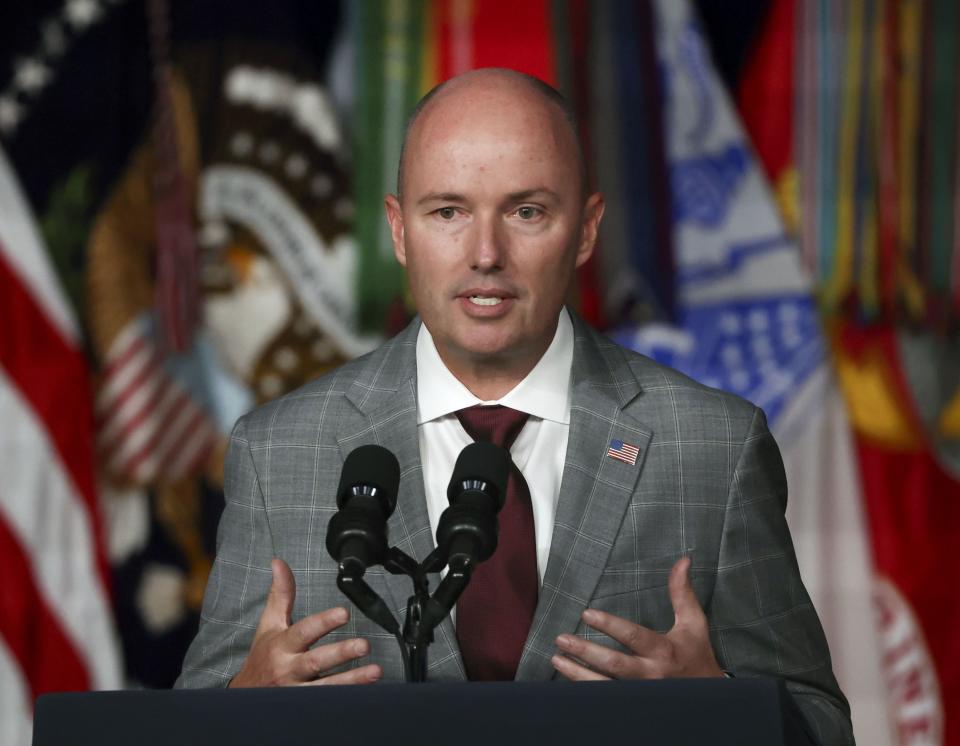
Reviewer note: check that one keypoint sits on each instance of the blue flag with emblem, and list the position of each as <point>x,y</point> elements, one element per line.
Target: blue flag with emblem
<point>745,321</point>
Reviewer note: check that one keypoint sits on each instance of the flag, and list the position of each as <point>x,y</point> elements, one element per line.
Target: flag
<point>746,322</point>
<point>903,390</point>
<point>623,452</point>
<point>261,182</point>
<point>876,103</point>
<point>626,152</point>
<point>56,623</point>
<point>243,164</point>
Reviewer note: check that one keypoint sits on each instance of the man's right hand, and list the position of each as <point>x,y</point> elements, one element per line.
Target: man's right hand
<point>280,654</point>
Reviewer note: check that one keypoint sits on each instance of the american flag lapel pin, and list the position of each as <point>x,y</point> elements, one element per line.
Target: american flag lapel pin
<point>623,452</point>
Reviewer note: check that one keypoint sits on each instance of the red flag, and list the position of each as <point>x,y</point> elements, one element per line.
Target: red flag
<point>913,510</point>
<point>495,33</point>
<point>766,92</point>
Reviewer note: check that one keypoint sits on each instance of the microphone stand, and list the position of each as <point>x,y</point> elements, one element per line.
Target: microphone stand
<point>466,535</point>
<point>424,612</point>
<point>416,636</point>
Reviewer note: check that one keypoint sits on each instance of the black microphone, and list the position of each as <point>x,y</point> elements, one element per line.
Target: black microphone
<point>467,532</point>
<point>366,497</point>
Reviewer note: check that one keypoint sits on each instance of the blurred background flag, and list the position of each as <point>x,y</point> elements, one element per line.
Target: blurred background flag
<point>227,132</point>
<point>746,321</point>
<point>56,624</point>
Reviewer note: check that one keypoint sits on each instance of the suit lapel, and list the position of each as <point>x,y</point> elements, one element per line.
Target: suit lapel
<point>594,494</point>
<point>386,403</point>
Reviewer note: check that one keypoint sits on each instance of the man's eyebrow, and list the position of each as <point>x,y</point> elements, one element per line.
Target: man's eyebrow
<point>531,193</point>
<point>520,196</point>
<point>441,197</point>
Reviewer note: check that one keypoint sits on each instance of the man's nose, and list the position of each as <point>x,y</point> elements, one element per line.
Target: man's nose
<point>488,245</point>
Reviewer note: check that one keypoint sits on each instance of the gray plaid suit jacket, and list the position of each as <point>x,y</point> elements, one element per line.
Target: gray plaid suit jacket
<point>709,482</point>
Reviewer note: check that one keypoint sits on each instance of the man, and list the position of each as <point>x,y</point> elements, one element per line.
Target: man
<point>656,544</point>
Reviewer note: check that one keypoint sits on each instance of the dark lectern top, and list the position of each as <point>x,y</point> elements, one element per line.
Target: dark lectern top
<point>738,712</point>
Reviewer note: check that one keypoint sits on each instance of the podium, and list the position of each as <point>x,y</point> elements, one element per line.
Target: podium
<point>678,712</point>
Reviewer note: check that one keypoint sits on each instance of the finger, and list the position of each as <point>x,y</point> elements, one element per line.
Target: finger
<point>686,608</point>
<point>363,675</point>
<point>637,639</point>
<point>315,662</point>
<point>574,671</point>
<point>283,591</point>
<point>603,660</point>
<point>311,628</point>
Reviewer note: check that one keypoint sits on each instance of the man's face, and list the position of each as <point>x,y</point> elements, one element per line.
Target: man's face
<point>493,222</point>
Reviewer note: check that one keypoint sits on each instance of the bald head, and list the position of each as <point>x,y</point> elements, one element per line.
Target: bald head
<point>496,86</point>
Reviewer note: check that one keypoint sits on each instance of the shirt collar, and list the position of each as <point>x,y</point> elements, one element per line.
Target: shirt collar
<point>544,392</point>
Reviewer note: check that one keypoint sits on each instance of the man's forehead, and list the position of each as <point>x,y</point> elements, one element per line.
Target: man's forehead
<point>483,136</point>
<point>461,168</point>
<point>490,95</point>
<point>510,113</point>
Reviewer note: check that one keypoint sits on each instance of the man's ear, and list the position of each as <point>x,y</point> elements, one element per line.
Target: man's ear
<point>395,219</point>
<point>592,214</point>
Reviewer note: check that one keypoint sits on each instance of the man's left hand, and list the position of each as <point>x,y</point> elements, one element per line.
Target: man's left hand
<point>683,652</point>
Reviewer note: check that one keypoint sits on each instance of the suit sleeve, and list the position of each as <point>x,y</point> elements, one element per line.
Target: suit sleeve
<point>762,620</point>
<point>240,579</point>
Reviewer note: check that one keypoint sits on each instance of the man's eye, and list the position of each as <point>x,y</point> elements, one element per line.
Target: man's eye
<point>528,213</point>
<point>447,213</point>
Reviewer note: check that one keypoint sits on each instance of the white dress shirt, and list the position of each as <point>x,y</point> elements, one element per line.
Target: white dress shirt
<point>539,450</point>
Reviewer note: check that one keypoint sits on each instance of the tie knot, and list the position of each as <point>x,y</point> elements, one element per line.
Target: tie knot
<point>492,424</point>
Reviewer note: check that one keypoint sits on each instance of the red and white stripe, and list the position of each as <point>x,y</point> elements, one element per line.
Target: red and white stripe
<point>148,424</point>
<point>56,627</point>
<point>15,704</point>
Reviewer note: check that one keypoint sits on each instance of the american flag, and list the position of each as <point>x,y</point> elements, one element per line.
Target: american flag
<point>56,624</point>
<point>149,426</point>
<point>623,452</point>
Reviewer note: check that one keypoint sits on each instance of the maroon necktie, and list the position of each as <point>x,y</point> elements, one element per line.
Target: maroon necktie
<point>495,611</point>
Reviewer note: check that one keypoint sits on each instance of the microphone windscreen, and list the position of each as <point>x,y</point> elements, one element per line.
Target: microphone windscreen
<point>371,466</point>
<point>484,462</point>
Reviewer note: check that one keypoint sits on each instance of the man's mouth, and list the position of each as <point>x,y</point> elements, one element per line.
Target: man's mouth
<point>485,300</point>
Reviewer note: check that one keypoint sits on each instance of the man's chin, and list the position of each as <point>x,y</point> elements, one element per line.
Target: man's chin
<point>485,346</point>
<point>489,353</point>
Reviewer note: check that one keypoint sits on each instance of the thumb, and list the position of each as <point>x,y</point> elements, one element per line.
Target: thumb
<point>686,608</point>
<point>283,591</point>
